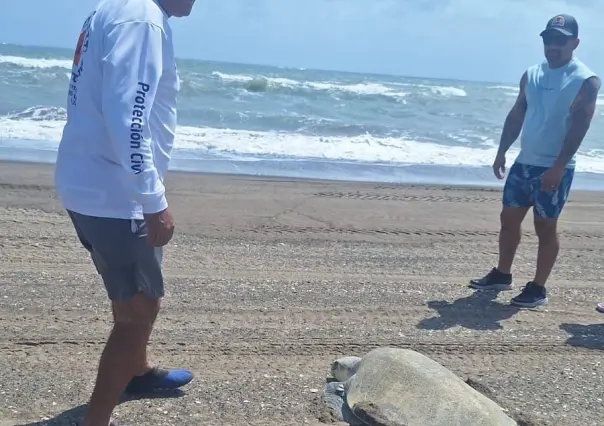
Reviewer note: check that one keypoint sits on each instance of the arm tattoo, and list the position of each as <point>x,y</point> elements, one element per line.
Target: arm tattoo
<point>591,87</point>
<point>581,114</point>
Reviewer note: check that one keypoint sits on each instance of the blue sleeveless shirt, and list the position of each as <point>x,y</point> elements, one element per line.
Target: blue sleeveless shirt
<point>549,95</point>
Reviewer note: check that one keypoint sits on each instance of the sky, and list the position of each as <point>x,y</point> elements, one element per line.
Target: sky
<point>494,40</point>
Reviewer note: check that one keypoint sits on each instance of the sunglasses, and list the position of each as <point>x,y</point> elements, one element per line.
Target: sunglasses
<point>556,40</point>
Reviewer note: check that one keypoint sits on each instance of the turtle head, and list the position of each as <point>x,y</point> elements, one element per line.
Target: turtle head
<point>344,368</point>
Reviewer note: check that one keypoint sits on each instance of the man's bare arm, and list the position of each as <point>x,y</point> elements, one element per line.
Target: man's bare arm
<point>514,120</point>
<point>581,113</point>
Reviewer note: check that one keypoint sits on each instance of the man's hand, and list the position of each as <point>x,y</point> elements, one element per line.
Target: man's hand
<point>499,165</point>
<point>160,228</point>
<point>550,181</point>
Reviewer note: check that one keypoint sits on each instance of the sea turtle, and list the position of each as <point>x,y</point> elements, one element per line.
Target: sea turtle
<point>400,387</point>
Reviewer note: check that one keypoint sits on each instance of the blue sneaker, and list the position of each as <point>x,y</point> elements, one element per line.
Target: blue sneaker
<point>532,295</point>
<point>494,280</point>
<point>158,380</point>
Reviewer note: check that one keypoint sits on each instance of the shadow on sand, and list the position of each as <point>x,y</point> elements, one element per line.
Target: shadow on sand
<point>75,416</point>
<point>479,311</point>
<point>585,336</point>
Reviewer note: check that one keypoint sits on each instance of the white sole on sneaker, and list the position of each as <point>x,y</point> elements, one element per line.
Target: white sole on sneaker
<point>498,287</point>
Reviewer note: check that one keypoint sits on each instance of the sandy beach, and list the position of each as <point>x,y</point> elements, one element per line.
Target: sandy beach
<point>268,280</point>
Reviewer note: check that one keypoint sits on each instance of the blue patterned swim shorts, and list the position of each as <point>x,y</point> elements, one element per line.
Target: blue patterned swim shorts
<point>523,189</point>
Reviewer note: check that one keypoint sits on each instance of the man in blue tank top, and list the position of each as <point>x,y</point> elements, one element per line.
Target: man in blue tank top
<point>554,108</point>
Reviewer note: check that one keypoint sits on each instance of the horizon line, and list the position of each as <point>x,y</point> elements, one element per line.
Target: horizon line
<point>266,65</point>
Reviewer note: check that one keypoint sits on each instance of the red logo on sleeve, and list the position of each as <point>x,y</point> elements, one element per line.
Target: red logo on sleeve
<point>78,51</point>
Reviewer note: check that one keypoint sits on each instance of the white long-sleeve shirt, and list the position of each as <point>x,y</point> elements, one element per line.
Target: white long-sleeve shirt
<point>121,113</point>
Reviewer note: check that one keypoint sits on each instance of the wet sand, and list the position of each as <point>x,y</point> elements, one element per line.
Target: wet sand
<point>268,280</point>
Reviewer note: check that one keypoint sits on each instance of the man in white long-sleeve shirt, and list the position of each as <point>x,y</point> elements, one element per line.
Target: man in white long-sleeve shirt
<point>114,153</point>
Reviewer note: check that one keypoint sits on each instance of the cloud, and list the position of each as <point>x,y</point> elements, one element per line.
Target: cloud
<point>330,17</point>
<point>481,39</point>
<point>467,39</point>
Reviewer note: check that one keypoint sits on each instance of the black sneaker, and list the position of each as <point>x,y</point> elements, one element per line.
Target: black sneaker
<point>532,295</point>
<point>494,280</point>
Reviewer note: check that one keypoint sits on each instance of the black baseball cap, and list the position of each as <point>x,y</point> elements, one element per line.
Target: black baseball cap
<point>564,24</point>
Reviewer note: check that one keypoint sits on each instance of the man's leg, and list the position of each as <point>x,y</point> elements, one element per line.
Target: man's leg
<point>516,202</point>
<point>549,246</point>
<point>145,364</point>
<point>131,272</point>
<point>123,356</point>
<point>510,235</point>
<point>547,210</point>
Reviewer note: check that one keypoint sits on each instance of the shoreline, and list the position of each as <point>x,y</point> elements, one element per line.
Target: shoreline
<point>47,169</point>
<point>425,176</point>
<point>178,174</point>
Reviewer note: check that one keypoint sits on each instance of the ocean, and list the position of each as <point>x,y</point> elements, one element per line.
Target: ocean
<point>271,121</point>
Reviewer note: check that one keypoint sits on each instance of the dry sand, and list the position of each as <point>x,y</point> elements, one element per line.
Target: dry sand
<point>269,279</point>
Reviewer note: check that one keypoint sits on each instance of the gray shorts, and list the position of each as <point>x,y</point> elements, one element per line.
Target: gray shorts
<point>121,255</point>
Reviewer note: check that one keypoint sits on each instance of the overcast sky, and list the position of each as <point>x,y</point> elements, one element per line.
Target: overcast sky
<point>492,40</point>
